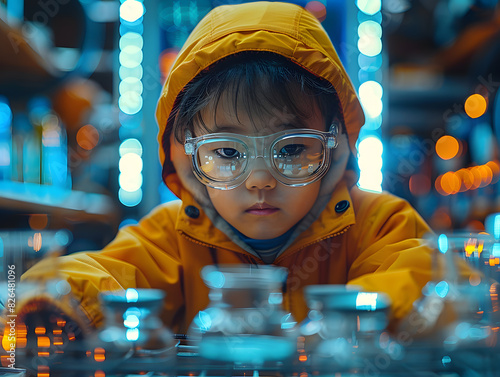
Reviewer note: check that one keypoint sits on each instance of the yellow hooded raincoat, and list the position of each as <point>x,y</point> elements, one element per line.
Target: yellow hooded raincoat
<point>351,236</point>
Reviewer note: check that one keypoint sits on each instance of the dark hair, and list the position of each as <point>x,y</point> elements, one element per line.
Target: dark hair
<point>263,84</point>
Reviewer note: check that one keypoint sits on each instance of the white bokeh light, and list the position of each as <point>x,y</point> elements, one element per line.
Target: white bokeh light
<point>131,39</point>
<point>130,56</point>
<point>130,84</point>
<point>369,7</point>
<point>131,10</point>
<point>125,72</point>
<point>130,103</point>
<point>370,45</point>
<point>371,89</point>
<point>130,182</point>
<point>130,199</point>
<point>372,145</point>
<point>370,28</point>
<point>130,146</point>
<point>130,163</point>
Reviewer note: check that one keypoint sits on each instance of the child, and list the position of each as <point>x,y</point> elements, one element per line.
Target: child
<point>258,124</point>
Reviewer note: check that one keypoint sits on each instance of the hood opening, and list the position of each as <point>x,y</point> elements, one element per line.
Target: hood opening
<point>259,85</point>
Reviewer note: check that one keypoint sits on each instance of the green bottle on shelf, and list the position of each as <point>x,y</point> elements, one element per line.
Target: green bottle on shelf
<point>45,151</point>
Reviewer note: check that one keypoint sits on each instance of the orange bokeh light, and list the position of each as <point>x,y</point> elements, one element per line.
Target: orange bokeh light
<point>495,169</point>
<point>438,187</point>
<point>43,371</point>
<point>87,137</point>
<point>486,175</point>
<point>58,341</point>
<point>450,183</point>
<point>476,226</point>
<point>474,279</point>
<point>167,59</point>
<point>38,221</point>
<point>447,147</point>
<point>475,105</point>
<point>477,177</point>
<point>441,219</point>
<point>466,178</point>
<point>6,342</point>
<point>43,342</point>
<point>99,354</point>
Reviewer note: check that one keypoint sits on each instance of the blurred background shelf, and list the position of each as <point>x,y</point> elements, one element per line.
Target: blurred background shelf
<point>30,197</point>
<point>21,66</point>
<point>92,219</point>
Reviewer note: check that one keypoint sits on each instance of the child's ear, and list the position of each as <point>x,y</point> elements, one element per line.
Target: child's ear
<point>178,155</point>
<point>183,167</point>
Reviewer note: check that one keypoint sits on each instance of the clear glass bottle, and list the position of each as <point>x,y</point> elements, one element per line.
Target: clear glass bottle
<point>459,303</point>
<point>244,322</point>
<point>50,327</point>
<point>452,326</point>
<point>132,329</point>
<point>344,328</point>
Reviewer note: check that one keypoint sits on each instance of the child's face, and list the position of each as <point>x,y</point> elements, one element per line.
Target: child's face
<point>261,207</point>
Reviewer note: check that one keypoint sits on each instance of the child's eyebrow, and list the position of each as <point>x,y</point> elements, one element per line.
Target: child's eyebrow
<point>231,128</point>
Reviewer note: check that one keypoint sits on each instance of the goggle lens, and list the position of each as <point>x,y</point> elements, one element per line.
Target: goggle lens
<point>294,157</point>
<point>222,160</point>
<point>298,157</point>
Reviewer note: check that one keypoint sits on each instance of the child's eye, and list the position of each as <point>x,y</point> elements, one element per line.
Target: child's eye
<point>292,149</point>
<point>227,153</point>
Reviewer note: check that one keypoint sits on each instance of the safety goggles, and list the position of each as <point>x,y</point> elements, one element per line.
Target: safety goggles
<point>294,157</point>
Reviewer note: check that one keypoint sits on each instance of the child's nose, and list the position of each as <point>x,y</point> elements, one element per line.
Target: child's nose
<point>260,178</point>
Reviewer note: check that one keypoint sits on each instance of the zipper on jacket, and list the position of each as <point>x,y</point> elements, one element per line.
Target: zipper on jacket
<point>195,241</point>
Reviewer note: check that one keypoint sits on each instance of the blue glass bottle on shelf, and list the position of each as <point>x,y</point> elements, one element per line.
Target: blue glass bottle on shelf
<point>32,147</point>
<point>5,139</point>
<point>54,152</point>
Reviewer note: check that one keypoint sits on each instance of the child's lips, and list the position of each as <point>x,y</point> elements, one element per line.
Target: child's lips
<point>262,209</point>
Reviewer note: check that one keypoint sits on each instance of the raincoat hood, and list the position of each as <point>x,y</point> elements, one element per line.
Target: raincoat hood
<point>285,29</point>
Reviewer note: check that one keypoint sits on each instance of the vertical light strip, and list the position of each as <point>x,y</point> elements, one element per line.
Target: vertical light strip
<point>130,101</point>
<point>15,12</point>
<point>370,147</point>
